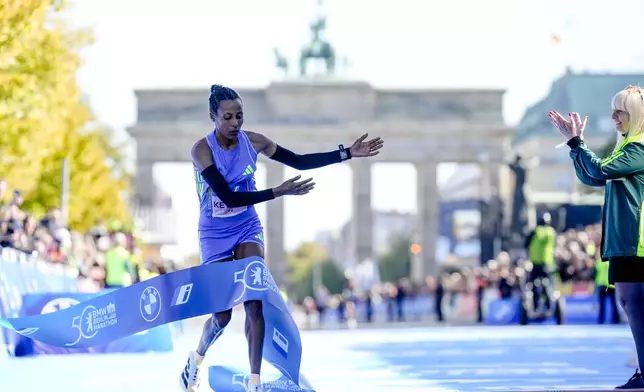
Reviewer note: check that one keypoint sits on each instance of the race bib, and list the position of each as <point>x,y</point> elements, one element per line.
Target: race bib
<point>221,210</point>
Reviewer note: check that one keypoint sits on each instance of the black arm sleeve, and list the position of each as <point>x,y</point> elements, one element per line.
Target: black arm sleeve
<point>218,183</point>
<point>307,161</point>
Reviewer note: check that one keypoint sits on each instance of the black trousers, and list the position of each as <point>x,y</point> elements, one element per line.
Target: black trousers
<point>539,271</point>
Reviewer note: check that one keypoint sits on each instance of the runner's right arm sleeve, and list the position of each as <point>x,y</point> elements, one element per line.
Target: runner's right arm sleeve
<point>218,183</point>
<point>580,170</point>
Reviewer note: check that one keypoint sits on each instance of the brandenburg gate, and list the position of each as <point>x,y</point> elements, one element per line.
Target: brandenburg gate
<point>424,127</point>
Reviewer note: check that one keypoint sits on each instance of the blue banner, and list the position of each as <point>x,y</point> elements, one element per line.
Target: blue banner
<point>577,310</point>
<point>168,298</point>
<point>157,339</point>
<point>22,274</point>
<point>4,349</point>
<point>231,379</point>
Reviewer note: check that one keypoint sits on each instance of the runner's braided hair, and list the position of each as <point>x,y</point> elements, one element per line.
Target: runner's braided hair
<point>220,93</point>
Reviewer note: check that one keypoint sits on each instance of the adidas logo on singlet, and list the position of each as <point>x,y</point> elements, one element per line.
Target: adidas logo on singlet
<point>249,170</point>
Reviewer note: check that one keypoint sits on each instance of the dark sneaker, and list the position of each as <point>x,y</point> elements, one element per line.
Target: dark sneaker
<point>635,382</point>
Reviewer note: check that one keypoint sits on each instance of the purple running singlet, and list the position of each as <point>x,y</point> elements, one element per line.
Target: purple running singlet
<point>221,228</point>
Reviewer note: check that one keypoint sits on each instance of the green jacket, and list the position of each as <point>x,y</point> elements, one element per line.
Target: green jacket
<point>622,173</point>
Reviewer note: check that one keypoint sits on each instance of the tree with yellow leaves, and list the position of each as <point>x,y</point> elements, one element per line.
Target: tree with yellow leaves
<point>43,119</point>
<point>96,193</point>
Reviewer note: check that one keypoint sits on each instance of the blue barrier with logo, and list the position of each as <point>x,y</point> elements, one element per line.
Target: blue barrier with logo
<point>585,309</point>
<point>577,310</point>
<point>503,312</point>
<point>22,274</point>
<point>168,298</point>
<point>157,339</point>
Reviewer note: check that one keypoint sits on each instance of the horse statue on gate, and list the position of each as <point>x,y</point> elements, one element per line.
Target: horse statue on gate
<point>281,63</point>
<point>318,48</point>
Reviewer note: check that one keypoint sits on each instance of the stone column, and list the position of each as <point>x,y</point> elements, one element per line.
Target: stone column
<point>505,192</point>
<point>485,187</point>
<point>144,187</point>
<point>490,180</point>
<point>362,219</point>
<point>274,225</point>
<point>495,179</point>
<point>424,263</point>
<point>491,195</point>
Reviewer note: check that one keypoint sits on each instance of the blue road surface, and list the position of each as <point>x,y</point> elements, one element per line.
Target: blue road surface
<point>512,358</point>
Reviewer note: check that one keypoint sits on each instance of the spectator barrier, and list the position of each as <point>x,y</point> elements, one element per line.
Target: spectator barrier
<point>582,309</point>
<point>462,307</point>
<point>21,274</point>
<point>30,286</point>
<point>416,308</point>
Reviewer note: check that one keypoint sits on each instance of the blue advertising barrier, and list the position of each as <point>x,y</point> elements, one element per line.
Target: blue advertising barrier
<point>22,274</point>
<point>157,339</point>
<point>416,307</point>
<point>413,308</point>
<point>171,297</point>
<point>577,310</point>
<point>502,312</point>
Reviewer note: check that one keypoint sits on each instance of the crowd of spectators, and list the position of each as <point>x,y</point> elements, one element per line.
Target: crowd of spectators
<point>48,238</point>
<point>461,292</point>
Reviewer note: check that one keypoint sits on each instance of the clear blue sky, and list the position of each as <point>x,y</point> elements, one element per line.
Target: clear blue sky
<point>407,43</point>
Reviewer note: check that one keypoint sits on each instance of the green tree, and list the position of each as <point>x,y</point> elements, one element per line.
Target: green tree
<point>332,276</point>
<point>96,192</point>
<point>396,262</point>
<point>44,119</point>
<point>302,263</point>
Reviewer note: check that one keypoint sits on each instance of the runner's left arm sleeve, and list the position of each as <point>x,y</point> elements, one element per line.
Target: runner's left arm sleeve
<point>628,161</point>
<point>307,161</point>
<point>218,184</point>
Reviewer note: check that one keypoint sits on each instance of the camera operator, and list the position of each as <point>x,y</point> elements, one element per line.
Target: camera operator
<point>541,247</point>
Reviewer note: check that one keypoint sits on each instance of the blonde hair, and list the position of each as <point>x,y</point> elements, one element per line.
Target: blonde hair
<point>630,100</point>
